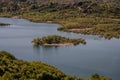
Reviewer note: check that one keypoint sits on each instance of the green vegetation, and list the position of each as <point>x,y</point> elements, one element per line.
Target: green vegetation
<point>97,77</point>
<point>14,69</point>
<point>99,8</point>
<point>105,27</point>
<point>56,40</point>
<point>97,17</point>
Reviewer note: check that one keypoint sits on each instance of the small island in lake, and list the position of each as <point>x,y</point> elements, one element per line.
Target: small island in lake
<point>56,40</point>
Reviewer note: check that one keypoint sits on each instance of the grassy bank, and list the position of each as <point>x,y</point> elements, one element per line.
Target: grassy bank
<point>103,27</point>
<point>14,69</point>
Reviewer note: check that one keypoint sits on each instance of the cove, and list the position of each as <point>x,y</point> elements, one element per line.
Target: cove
<point>97,56</point>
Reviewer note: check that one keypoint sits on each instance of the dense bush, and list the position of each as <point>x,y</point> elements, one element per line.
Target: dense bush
<point>14,69</point>
<point>56,39</point>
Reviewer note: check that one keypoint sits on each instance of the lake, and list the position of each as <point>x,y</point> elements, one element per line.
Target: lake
<point>97,56</point>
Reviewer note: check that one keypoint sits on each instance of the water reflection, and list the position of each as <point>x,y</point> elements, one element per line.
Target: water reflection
<point>36,49</point>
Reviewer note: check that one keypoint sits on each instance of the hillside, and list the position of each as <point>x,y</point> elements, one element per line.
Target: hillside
<point>83,6</point>
<point>14,69</point>
<point>71,1</point>
<point>89,7</point>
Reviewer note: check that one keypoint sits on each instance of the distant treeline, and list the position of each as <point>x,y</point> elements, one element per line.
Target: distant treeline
<point>106,8</point>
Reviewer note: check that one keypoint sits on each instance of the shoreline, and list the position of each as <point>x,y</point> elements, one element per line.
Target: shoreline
<point>60,44</point>
<point>68,26</point>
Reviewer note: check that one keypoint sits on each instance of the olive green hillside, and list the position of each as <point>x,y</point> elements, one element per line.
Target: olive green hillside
<point>13,69</point>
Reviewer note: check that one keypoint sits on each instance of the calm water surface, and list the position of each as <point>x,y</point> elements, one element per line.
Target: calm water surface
<point>97,56</point>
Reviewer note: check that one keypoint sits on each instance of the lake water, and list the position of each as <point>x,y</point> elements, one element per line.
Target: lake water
<point>97,56</point>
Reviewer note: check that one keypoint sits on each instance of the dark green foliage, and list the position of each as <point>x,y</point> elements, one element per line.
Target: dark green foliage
<point>86,7</point>
<point>56,39</point>
<point>98,77</point>
<point>95,77</point>
<point>6,55</point>
<point>14,69</point>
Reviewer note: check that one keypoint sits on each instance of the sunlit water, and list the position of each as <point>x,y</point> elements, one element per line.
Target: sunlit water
<point>97,56</point>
